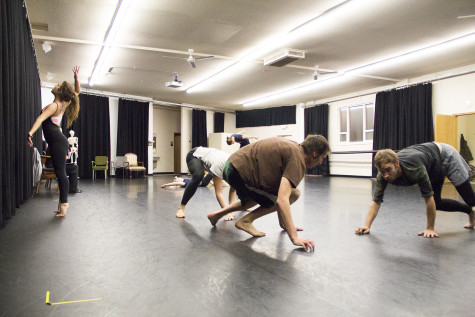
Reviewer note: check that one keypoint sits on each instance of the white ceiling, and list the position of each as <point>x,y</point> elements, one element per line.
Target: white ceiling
<point>343,36</point>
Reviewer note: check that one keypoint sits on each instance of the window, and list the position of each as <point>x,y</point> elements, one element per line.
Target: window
<point>357,123</point>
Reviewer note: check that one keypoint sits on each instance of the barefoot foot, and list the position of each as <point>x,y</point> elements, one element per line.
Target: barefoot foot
<point>249,228</point>
<point>229,216</point>
<point>180,213</point>
<point>471,219</point>
<point>297,228</point>
<point>213,219</point>
<point>63,208</point>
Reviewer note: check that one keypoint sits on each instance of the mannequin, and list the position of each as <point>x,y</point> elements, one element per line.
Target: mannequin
<point>73,148</point>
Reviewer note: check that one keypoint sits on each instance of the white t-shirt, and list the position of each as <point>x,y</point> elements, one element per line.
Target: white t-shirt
<point>213,160</point>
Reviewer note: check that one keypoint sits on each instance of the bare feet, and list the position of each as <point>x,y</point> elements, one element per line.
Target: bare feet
<point>249,228</point>
<point>57,211</point>
<point>180,213</point>
<point>213,219</point>
<point>63,208</point>
<point>229,216</point>
<point>163,186</point>
<point>471,219</point>
<point>283,228</point>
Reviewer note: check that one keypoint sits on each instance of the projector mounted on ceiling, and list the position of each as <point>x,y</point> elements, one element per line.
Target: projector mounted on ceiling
<point>283,57</point>
<point>175,83</point>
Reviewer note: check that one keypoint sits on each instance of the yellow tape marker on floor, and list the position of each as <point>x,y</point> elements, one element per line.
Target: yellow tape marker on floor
<point>74,301</point>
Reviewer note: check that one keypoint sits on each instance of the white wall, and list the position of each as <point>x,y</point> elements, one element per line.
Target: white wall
<point>209,122</point>
<point>46,97</point>
<point>454,95</point>
<point>229,123</point>
<point>218,141</point>
<point>186,118</point>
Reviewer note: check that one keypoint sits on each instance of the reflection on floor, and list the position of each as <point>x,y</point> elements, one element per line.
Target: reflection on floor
<point>121,242</point>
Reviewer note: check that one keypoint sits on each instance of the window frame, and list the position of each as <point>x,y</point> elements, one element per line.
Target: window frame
<point>348,124</point>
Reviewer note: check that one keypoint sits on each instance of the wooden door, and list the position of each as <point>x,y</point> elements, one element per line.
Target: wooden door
<point>177,153</point>
<point>446,129</point>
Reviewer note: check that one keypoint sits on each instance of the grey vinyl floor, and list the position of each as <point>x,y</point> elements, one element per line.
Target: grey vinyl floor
<point>121,244</point>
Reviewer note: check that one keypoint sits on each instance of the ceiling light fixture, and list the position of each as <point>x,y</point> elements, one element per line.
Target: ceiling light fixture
<point>413,55</point>
<point>46,47</point>
<point>271,44</point>
<point>315,73</point>
<point>392,61</point>
<point>293,90</point>
<point>119,14</point>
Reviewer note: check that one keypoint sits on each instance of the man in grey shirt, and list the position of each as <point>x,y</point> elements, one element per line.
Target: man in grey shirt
<point>426,165</point>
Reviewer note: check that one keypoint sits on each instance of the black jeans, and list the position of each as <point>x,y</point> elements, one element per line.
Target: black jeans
<point>197,173</point>
<point>466,192</point>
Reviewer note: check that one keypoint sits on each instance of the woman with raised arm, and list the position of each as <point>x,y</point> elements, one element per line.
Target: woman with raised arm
<point>66,102</point>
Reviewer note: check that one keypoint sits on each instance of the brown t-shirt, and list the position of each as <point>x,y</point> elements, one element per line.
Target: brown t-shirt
<point>262,164</point>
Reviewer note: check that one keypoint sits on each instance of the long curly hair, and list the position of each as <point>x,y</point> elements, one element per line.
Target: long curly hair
<point>66,93</point>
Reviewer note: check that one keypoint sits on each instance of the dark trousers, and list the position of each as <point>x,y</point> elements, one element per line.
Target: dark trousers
<point>58,147</point>
<point>72,170</point>
<point>465,191</point>
<point>197,174</point>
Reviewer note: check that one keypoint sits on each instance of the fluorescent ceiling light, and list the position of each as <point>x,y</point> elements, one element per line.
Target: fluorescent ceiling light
<point>119,14</point>
<point>388,62</point>
<point>289,91</point>
<point>414,55</point>
<point>277,41</point>
<point>198,86</point>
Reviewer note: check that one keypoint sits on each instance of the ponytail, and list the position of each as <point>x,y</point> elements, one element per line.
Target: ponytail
<point>67,93</point>
<point>72,111</point>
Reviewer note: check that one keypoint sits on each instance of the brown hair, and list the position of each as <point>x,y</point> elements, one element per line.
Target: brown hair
<point>385,156</point>
<point>66,93</point>
<point>229,140</point>
<point>316,142</point>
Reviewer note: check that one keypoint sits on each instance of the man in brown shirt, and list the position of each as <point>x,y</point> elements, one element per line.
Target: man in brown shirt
<point>267,173</point>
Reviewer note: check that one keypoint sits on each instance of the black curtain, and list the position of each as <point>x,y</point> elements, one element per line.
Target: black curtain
<point>403,117</point>
<point>316,122</point>
<point>218,122</point>
<point>92,127</point>
<point>20,105</point>
<point>199,134</point>
<point>266,117</point>
<point>132,129</point>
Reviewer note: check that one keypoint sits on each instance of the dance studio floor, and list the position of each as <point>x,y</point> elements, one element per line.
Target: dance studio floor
<point>120,251</point>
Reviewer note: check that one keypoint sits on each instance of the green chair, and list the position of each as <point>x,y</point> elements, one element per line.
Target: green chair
<point>100,163</point>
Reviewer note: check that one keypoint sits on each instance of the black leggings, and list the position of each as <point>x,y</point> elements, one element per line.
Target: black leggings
<point>466,192</point>
<point>58,145</point>
<point>197,173</point>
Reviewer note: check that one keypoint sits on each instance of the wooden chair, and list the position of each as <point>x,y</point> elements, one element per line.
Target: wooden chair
<point>131,164</point>
<point>47,174</point>
<point>100,163</point>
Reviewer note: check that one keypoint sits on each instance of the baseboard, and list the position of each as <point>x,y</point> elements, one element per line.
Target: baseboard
<point>353,176</point>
